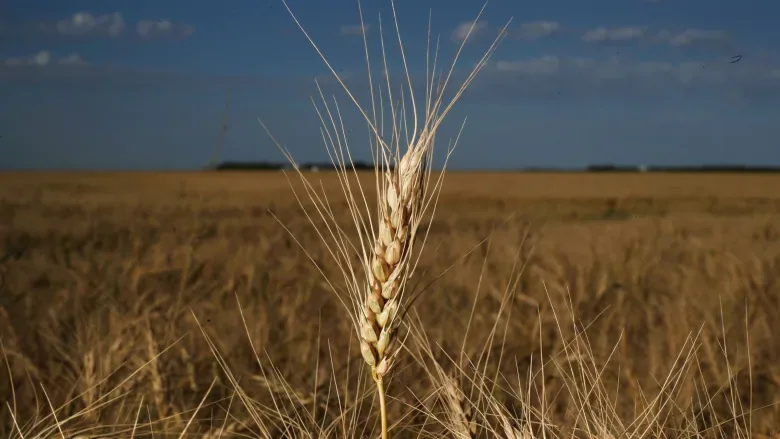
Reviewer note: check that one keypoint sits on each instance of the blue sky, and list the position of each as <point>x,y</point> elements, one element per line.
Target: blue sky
<point>140,84</point>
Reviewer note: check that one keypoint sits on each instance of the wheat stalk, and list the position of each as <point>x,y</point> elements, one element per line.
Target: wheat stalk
<point>375,293</point>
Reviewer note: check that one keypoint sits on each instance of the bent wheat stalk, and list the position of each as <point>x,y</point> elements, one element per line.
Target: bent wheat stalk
<point>375,291</point>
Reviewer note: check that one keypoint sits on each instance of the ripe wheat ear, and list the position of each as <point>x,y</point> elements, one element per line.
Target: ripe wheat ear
<point>375,288</point>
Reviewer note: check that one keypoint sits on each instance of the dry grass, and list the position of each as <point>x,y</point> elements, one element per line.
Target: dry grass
<point>100,272</point>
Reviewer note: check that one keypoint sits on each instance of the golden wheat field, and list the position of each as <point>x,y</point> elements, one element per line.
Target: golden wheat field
<point>612,305</point>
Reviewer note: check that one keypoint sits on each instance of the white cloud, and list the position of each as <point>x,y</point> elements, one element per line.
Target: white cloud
<point>163,28</point>
<point>545,65</point>
<point>615,34</point>
<point>84,23</point>
<point>354,29</point>
<point>533,30</point>
<point>146,27</point>
<point>71,59</point>
<point>679,38</point>
<point>40,59</point>
<point>583,70</point>
<point>690,36</point>
<point>462,30</point>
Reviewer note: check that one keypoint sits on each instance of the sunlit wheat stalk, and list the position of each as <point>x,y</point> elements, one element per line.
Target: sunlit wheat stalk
<point>375,294</point>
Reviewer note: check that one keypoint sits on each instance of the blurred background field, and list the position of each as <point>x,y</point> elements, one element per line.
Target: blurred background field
<point>101,272</point>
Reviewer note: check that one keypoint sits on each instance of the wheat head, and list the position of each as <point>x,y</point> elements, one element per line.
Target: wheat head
<point>405,192</point>
<point>388,267</point>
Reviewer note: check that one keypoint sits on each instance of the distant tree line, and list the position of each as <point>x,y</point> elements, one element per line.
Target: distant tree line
<point>271,166</point>
<point>688,169</point>
<point>328,166</point>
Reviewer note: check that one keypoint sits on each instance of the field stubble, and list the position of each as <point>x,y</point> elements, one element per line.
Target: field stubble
<point>104,274</point>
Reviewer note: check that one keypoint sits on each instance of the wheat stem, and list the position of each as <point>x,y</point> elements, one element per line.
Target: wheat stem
<point>380,389</point>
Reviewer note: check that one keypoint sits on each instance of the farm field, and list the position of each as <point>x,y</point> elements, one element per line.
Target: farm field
<point>111,285</point>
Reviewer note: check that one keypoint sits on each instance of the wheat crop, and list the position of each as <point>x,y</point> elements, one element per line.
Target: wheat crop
<point>582,306</point>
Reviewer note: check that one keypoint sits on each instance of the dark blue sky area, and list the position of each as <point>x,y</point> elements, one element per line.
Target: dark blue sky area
<point>141,83</point>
